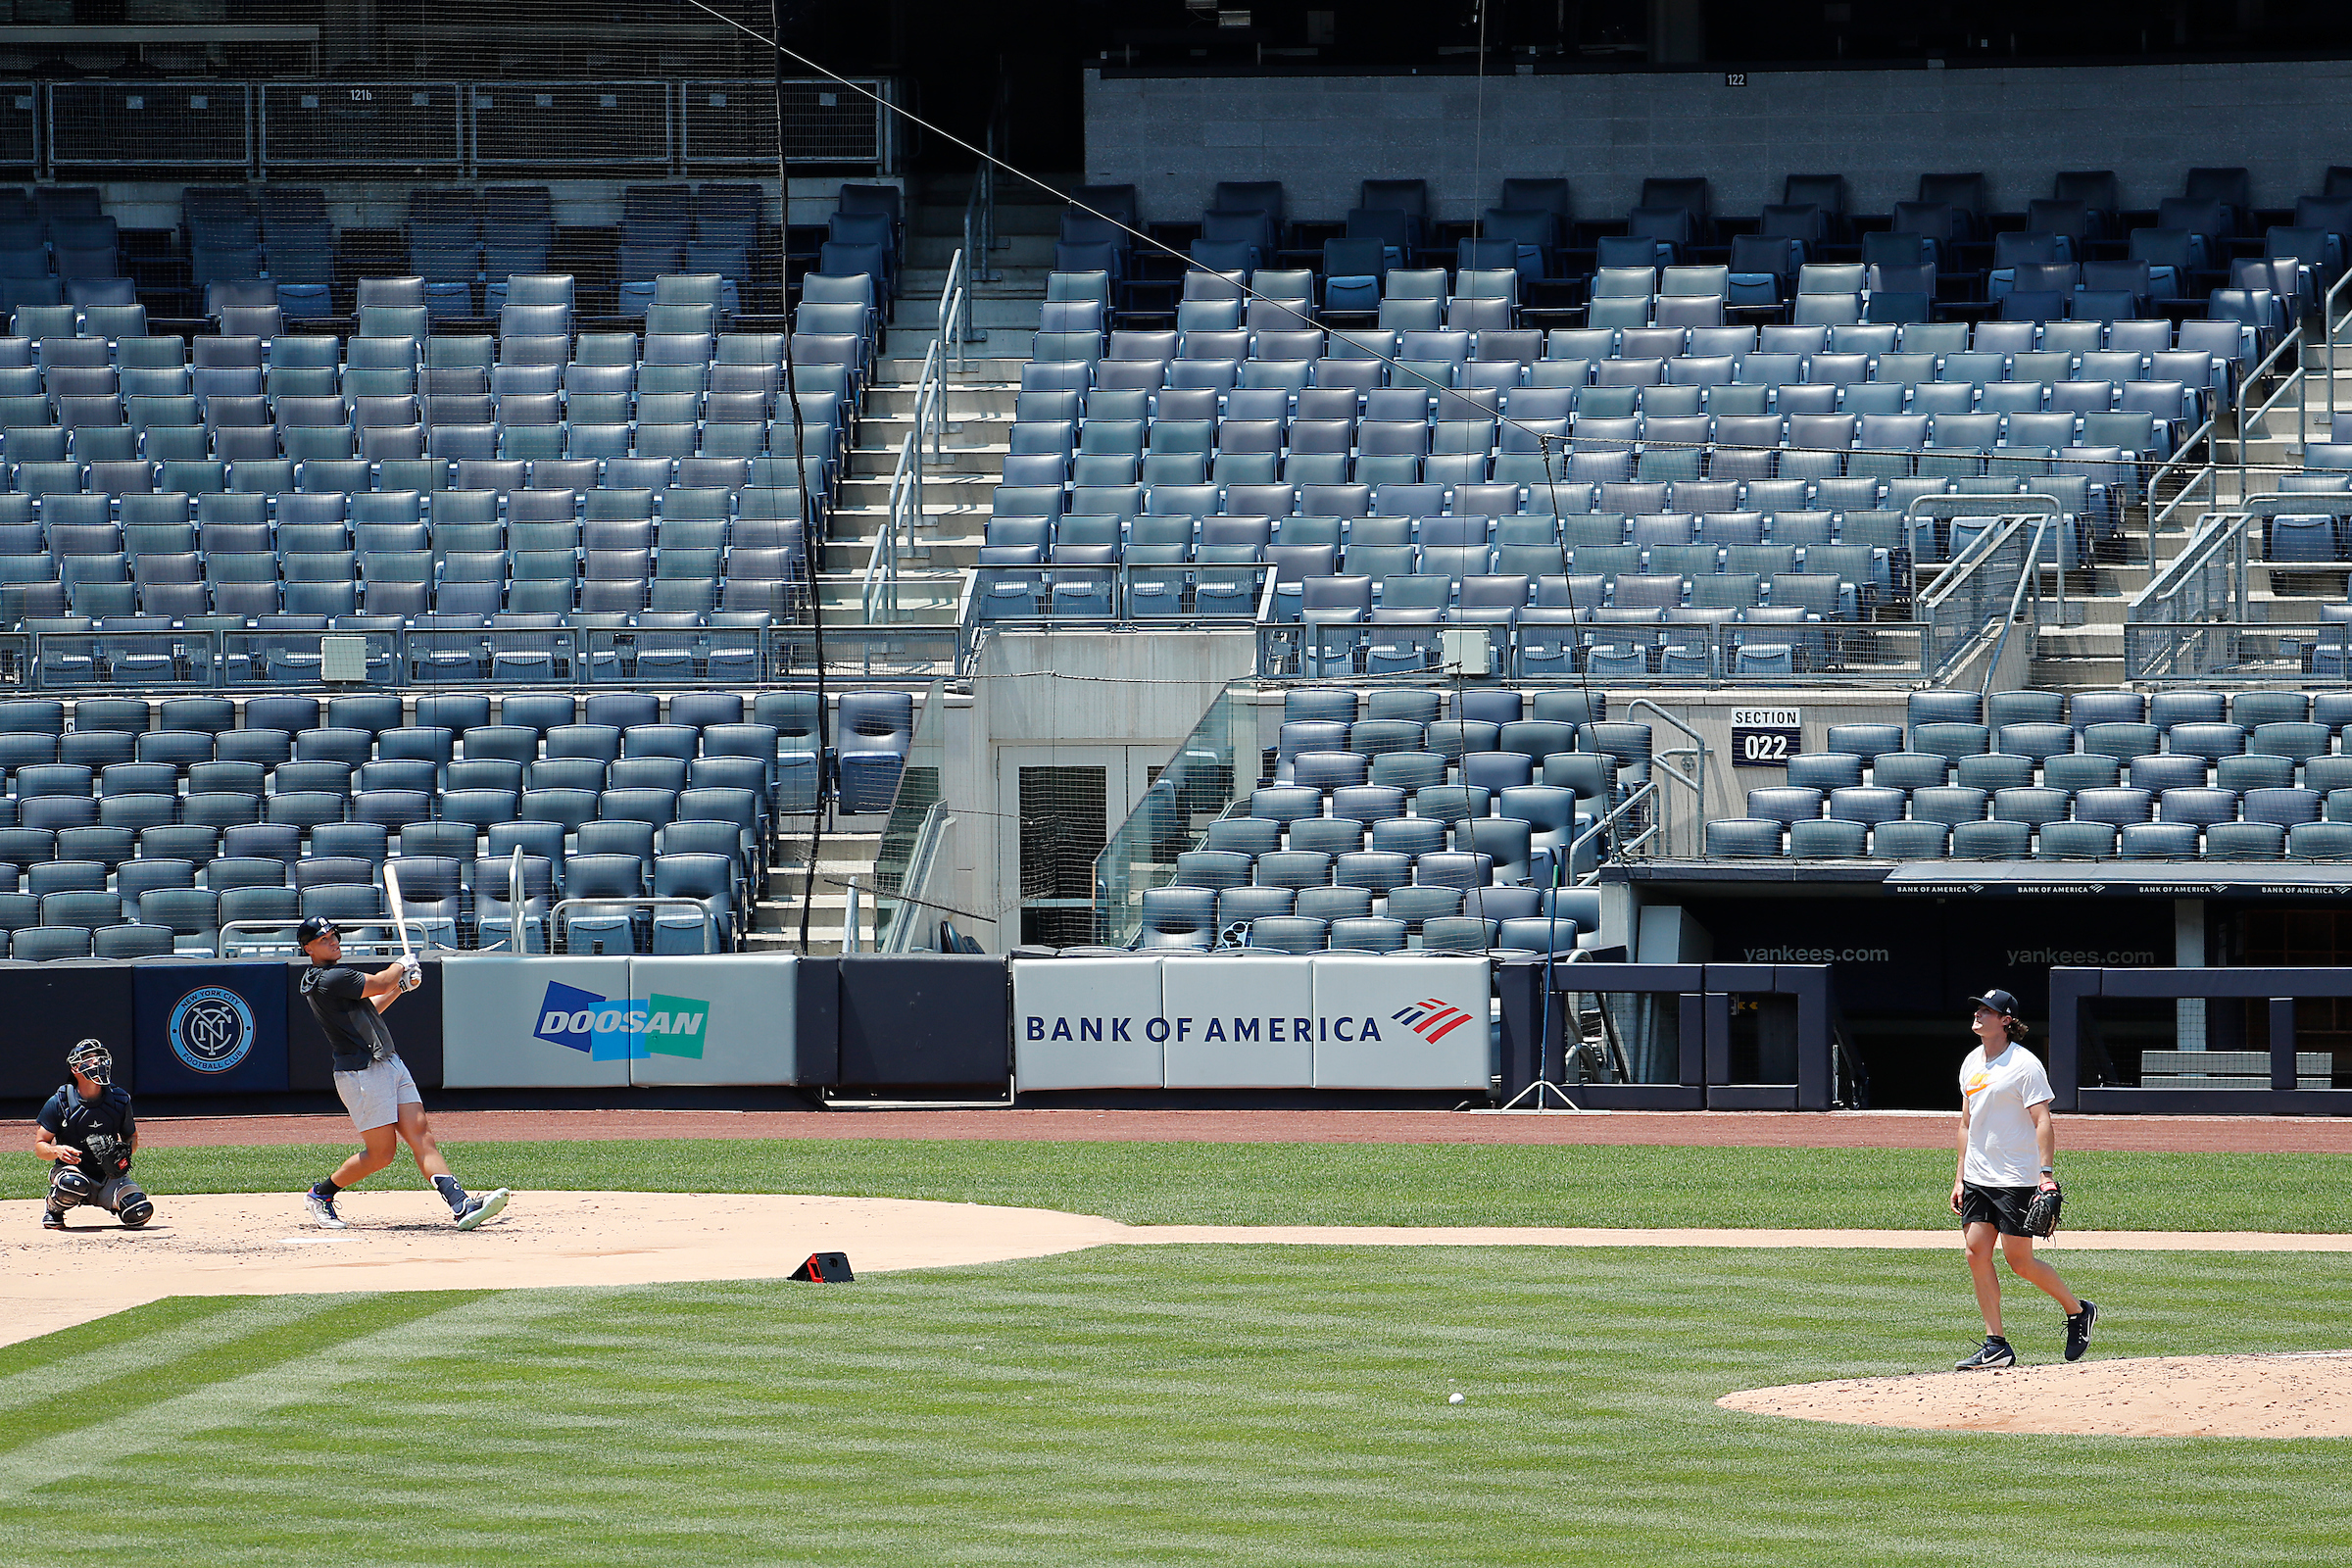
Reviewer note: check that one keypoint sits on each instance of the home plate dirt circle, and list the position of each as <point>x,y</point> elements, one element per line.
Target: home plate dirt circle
<point>2306,1395</point>
<point>248,1244</point>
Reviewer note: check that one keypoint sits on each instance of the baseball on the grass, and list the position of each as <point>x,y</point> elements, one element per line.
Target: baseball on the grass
<point>1454,1399</point>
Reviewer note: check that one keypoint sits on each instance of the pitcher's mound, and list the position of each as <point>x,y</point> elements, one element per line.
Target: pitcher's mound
<point>2300,1396</point>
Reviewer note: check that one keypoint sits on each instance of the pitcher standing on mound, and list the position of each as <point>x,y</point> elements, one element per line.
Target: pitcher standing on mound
<point>2008,1150</point>
<point>372,1080</point>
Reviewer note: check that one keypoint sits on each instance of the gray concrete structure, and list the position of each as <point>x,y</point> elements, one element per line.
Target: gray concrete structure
<point>1176,137</point>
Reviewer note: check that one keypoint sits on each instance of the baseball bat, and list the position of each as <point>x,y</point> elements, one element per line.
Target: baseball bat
<point>398,908</point>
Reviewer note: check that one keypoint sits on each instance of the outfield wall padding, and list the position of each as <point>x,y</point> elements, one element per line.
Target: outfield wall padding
<point>934,1020</point>
<point>1087,1023</point>
<point>492,1009</point>
<point>610,1022</point>
<point>51,1005</point>
<point>720,1018</point>
<point>208,1028</point>
<point>817,1021</point>
<point>1331,1021</point>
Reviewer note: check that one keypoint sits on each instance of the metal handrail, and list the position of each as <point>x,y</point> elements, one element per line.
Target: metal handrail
<point>900,936</point>
<point>2032,577</point>
<point>2329,321</point>
<point>1695,781</point>
<point>418,927</point>
<point>2208,475</point>
<point>1602,827</point>
<point>2246,418</point>
<point>954,309</point>
<point>980,208</point>
<point>1964,566</point>
<point>2215,530</point>
<point>2005,506</point>
<point>880,593</point>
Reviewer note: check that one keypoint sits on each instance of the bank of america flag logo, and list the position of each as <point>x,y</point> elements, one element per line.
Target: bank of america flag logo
<point>1433,1020</point>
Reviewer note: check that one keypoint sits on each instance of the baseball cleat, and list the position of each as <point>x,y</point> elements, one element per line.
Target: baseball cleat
<point>480,1209</point>
<point>1994,1352</point>
<point>321,1211</point>
<point>52,1222</point>
<point>2077,1330</point>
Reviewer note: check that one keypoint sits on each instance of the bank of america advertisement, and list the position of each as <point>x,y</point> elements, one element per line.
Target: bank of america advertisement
<point>1328,1022</point>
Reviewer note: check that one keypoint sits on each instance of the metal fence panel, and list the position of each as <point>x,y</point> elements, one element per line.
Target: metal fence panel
<point>734,121</point>
<point>375,124</point>
<point>19,126</point>
<point>175,124</point>
<point>572,124</point>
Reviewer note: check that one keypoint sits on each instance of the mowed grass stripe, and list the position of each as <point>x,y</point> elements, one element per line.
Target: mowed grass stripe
<point>1227,1405</point>
<point>1336,1184</point>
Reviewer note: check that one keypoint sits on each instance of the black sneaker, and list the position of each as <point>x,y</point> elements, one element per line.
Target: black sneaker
<point>2077,1330</point>
<point>52,1222</point>
<point>1994,1351</point>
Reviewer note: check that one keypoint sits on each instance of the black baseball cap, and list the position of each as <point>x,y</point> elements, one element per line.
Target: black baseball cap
<point>2000,1001</point>
<point>311,930</point>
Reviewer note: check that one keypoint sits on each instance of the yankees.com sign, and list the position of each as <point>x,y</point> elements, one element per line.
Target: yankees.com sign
<point>1333,1021</point>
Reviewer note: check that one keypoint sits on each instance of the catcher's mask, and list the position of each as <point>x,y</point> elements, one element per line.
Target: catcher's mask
<point>91,1059</point>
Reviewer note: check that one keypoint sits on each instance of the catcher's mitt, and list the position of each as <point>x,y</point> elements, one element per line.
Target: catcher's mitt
<point>2041,1211</point>
<point>106,1156</point>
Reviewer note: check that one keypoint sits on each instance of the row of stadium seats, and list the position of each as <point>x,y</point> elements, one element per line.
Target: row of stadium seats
<point>125,840</point>
<point>155,907</point>
<point>1414,918</point>
<point>1591,494</point>
<point>1939,245</point>
<point>2247,775</point>
<point>875,730</point>
<point>1406,818</point>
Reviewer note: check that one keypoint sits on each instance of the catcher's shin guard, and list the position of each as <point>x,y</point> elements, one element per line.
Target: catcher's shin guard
<point>136,1209</point>
<point>68,1187</point>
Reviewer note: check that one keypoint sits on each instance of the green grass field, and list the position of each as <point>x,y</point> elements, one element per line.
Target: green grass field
<point>1279,1405</point>
<point>1344,1184</point>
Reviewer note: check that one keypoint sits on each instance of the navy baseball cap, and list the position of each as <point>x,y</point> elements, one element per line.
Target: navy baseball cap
<point>311,930</point>
<point>2000,1001</point>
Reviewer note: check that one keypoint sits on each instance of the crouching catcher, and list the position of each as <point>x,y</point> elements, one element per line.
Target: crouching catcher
<point>88,1135</point>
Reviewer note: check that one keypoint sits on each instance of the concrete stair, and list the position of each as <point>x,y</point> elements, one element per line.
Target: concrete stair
<point>979,408</point>
<point>847,851</point>
<point>2089,652</point>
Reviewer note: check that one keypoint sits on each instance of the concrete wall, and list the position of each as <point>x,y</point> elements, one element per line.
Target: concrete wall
<point>1088,695</point>
<point>1176,137</point>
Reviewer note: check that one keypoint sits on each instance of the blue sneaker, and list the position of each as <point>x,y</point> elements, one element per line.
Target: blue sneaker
<point>482,1209</point>
<point>321,1210</point>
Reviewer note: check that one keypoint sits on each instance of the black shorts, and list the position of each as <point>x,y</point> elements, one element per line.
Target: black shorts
<point>2002,1208</point>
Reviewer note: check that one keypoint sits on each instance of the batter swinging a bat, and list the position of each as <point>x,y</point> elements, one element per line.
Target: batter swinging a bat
<point>374,1084</point>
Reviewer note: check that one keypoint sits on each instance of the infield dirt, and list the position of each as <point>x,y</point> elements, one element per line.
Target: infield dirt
<point>2300,1396</point>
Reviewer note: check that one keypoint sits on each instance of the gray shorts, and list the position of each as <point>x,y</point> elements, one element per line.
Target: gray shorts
<point>374,1094</point>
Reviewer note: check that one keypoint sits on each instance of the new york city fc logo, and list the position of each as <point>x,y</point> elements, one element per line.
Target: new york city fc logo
<point>211,1029</point>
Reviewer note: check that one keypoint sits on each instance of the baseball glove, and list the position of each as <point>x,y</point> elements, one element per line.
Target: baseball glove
<point>106,1156</point>
<point>2041,1211</point>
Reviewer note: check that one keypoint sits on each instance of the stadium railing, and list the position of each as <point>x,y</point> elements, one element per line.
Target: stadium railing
<point>912,836</point>
<point>2198,620</point>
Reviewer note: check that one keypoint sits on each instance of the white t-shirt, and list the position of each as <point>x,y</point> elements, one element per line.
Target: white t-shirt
<point>2001,1147</point>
